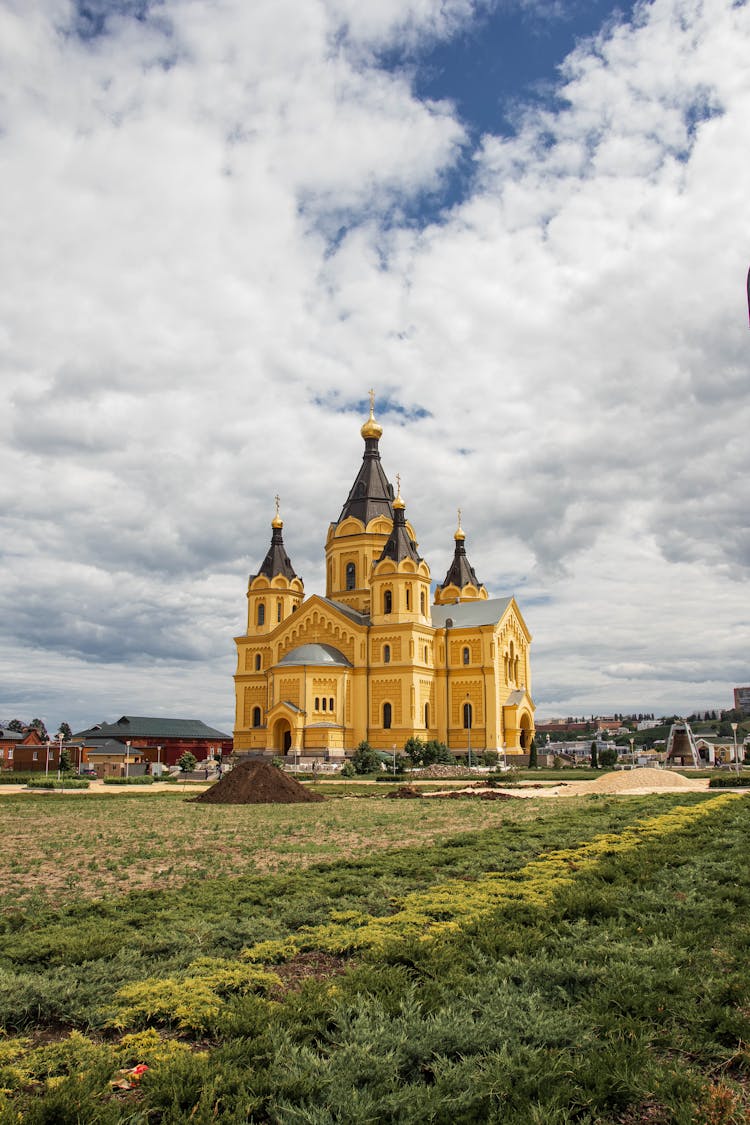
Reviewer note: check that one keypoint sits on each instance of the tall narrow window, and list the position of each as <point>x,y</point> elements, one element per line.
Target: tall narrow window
<point>257,662</point>
<point>325,703</point>
<point>467,716</point>
<point>256,716</point>
<point>422,603</point>
<point>386,654</point>
<point>261,613</point>
<point>387,602</point>
<point>387,716</point>
<point>317,702</point>
<point>351,576</point>
<point>426,716</point>
<point>408,597</point>
<point>466,656</point>
<point>278,611</point>
<point>426,658</point>
<point>330,704</point>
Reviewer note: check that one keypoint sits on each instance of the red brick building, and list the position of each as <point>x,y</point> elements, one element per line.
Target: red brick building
<point>158,739</point>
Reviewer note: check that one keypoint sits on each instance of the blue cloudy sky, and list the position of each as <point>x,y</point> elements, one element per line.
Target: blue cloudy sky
<point>524,223</point>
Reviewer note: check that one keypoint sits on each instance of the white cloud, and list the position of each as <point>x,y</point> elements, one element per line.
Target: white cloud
<point>175,303</point>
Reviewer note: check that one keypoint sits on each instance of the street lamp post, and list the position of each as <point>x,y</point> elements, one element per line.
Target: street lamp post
<point>60,737</point>
<point>46,760</point>
<point>468,724</point>
<point>158,761</point>
<point>632,751</point>
<point>127,758</point>
<point>394,759</point>
<point>736,755</point>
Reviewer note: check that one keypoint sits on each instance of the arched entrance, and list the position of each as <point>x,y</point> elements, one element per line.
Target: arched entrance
<point>525,732</point>
<point>282,736</point>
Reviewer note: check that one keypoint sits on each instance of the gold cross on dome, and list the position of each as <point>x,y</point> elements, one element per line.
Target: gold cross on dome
<point>459,517</point>
<point>277,501</point>
<point>398,484</point>
<point>371,393</point>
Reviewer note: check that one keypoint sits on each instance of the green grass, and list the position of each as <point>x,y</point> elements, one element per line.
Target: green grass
<point>621,995</point>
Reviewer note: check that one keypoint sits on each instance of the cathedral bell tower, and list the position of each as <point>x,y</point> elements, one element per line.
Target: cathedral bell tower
<point>400,578</point>
<point>361,531</point>
<point>461,583</point>
<point>275,591</point>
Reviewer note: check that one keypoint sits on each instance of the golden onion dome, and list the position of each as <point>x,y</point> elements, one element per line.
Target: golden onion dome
<point>459,535</point>
<point>371,428</point>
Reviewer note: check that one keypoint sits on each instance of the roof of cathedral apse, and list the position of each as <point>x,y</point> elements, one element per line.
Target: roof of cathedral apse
<point>317,654</point>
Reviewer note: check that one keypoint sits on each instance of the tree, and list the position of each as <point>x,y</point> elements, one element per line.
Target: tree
<point>533,757</point>
<point>66,765</point>
<point>16,725</point>
<point>594,756</point>
<point>65,731</point>
<point>187,762</point>
<point>365,759</point>
<point>608,757</point>
<point>39,725</point>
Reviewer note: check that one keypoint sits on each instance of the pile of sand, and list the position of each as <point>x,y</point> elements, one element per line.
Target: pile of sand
<point>257,783</point>
<point>631,781</point>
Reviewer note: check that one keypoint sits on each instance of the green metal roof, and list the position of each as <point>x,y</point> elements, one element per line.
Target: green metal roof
<point>141,726</point>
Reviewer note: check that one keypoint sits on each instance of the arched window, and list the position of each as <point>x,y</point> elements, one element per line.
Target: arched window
<point>467,716</point>
<point>387,602</point>
<point>408,597</point>
<point>330,704</point>
<point>317,702</point>
<point>278,610</point>
<point>351,576</point>
<point>325,703</point>
<point>256,716</point>
<point>386,654</point>
<point>261,613</point>
<point>426,655</point>
<point>387,713</point>
<point>422,603</point>
<point>466,656</point>
<point>426,716</point>
<point>257,662</point>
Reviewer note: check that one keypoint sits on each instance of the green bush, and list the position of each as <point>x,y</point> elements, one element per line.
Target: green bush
<point>365,759</point>
<point>140,779</point>
<point>729,781</point>
<point>53,783</point>
<point>347,770</point>
<point>8,777</point>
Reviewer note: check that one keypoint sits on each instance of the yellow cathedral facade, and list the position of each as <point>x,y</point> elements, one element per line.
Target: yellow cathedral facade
<point>373,659</point>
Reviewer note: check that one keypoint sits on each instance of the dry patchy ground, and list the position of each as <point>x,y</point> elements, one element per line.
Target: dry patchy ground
<point>58,849</point>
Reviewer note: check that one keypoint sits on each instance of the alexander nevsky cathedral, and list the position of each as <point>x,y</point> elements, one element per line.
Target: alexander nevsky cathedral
<point>373,659</point>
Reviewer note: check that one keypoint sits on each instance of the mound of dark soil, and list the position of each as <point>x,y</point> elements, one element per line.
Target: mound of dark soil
<point>257,783</point>
<point>408,792</point>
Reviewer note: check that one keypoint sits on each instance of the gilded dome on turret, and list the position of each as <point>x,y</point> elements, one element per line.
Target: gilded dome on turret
<point>460,534</point>
<point>277,521</point>
<point>371,428</point>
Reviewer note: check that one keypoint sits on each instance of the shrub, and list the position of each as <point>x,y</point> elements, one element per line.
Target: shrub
<point>608,757</point>
<point>730,781</point>
<point>489,757</point>
<point>140,779</point>
<point>347,770</point>
<point>53,783</point>
<point>365,759</point>
<point>187,762</point>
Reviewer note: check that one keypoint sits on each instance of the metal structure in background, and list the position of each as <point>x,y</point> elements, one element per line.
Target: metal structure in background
<point>681,747</point>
